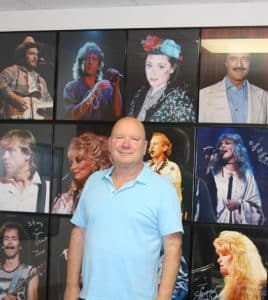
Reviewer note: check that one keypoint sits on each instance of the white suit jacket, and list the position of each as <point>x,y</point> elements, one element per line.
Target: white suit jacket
<point>214,105</point>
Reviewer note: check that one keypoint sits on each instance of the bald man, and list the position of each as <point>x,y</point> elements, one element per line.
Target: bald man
<point>125,215</point>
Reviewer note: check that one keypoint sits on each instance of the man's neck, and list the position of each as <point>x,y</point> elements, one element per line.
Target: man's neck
<point>11,264</point>
<point>28,69</point>
<point>89,81</point>
<point>122,175</point>
<point>22,180</point>
<point>236,83</point>
<point>159,159</point>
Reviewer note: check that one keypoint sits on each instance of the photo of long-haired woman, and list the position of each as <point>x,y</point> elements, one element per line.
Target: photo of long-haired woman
<point>162,75</point>
<point>231,173</point>
<point>23,268</point>
<point>85,151</point>
<point>229,263</point>
<point>25,167</point>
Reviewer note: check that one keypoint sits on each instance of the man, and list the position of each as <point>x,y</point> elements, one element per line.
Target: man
<point>124,216</point>
<point>88,96</point>
<point>234,99</point>
<point>17,280</point>
<point>21,189</point>
<point>23,91</point>
<point>160,148</point>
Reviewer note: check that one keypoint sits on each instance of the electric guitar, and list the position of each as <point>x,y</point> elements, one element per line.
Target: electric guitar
<point>18,291</point>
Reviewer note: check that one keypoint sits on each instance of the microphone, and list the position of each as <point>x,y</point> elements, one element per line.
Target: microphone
<point>209,150</point>
<point>66,176</point>
<point>114,72</point>
<point>43,61</point>
<point>203,269</point>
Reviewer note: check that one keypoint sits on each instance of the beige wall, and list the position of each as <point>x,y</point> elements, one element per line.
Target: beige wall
<point>190,15</point>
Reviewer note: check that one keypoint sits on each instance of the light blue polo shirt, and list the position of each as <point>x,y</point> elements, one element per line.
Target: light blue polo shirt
<point>124,230</point>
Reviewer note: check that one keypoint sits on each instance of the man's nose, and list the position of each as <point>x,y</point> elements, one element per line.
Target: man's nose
<point>5,154</point>
<point>126,141</point>
<point>240,62</point>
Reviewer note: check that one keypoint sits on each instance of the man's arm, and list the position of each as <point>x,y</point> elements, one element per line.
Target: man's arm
<point>33,287</point>
<point>12,98</point>
<point>78,111</point>
<point>20,102</point>
<point>171,264</point>
<point>75,255</point>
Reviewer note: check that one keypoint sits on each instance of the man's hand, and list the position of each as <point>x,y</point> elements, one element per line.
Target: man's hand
<point>114,76</point>
<point>102,85</point>
<point>21,103</point>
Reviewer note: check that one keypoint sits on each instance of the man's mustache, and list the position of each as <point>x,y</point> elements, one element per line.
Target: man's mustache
<point>239,69</point>
<point>8,247</point>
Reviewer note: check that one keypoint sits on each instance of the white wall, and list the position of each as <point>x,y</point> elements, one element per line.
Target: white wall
<point>191,15</point>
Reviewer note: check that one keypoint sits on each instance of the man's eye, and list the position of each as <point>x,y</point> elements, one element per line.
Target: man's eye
<point>135,139</point>
<point>118,138</point>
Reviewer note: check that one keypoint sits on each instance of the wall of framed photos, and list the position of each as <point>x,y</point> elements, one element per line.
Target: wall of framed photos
<point>47,231</point>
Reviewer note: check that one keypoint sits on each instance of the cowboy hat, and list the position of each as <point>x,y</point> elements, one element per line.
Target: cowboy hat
<point>27,43</point>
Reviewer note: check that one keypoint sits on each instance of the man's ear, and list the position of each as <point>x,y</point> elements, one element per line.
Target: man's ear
<point>27,157</point>
<point>145,147</point>
<point>165,148</point>
<point>109,143</point>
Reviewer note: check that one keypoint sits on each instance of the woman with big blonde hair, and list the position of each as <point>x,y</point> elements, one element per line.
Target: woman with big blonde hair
<point>241,265</point>
<point>86,153</point>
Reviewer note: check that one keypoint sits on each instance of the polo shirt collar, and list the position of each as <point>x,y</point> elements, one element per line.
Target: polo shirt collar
<point>142,177</point>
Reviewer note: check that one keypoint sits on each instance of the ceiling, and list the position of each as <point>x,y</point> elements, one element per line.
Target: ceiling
<point>12,5</point>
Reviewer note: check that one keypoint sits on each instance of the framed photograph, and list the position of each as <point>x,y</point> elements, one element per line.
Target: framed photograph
<point>170,153</point>
<point>233,75</point>
<point>27,75</point>
<point>91,75</point>
<point>231,175</point>
<point>24,248</point>
<point>215,253</point>
<point>162,73</point>
<point>85,150</point>
<point>25,167</point>
<point>60,230</point>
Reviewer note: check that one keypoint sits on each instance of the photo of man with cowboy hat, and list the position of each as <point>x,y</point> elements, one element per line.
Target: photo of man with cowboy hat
<point>23,91</point>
